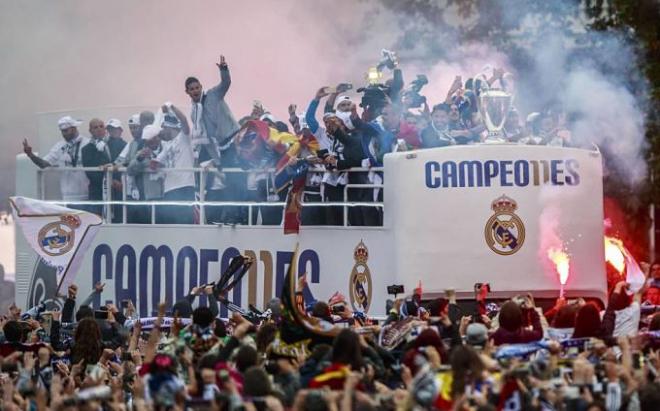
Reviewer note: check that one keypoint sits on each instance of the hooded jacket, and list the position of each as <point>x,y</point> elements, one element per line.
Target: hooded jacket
<point>218,119</point>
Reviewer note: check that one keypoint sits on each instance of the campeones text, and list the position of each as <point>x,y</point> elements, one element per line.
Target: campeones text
<point>502,173</point>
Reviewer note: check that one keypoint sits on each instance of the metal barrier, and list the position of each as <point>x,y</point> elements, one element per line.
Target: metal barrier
<point>201,174</point>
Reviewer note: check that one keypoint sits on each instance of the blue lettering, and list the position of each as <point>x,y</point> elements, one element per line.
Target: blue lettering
<point>125,255</point>
<point>472,169</point>
<point>505,171</point>
<point>492,169</point>
<point>282,262</point>
<point>432,180</point>
<point>449,174</point>
<point>155,255</point>
<point>556,172</point>
<point>186,253</point>
<point>521,173</point>
<point>157,276</point>
<point>102,251</point>
<point>573,178</point>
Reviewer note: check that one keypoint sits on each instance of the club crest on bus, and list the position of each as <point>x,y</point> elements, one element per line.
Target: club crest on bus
<point>360,285</point>
<point>504,231</point>
<point>58,237</point>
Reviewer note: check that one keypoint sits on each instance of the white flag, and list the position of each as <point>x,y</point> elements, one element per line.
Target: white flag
<point>59,235</point>
<point>634,274</point>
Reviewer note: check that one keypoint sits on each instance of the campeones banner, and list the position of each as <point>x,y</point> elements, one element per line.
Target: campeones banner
<point>150,264</point>
<point>491,213</point>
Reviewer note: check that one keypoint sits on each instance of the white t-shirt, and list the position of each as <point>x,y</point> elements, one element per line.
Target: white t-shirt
<point>627,320</point>
<point>177,153</point>
<point>73,184</point>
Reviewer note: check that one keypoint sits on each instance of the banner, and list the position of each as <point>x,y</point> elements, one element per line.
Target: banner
<point>462,215</point>
<point>60,236</point>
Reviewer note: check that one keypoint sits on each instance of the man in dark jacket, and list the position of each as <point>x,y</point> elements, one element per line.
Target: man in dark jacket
<point>437,133</point>
<point>116,145</point>
<point>352,156</point>
<point>95,154</point>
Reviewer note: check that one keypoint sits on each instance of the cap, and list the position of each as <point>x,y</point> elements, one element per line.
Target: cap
<point>134,120</point>
<point>113,122</point>
<point>343,99</point>
<point>67,122</point>
<point>268,117</point>
<point>150,132</point>
<point>476,334</point>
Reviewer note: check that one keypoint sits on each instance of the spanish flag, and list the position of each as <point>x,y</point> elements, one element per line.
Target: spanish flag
<point>294,206</point>
<point>444,401</point>
<point>288,173</point>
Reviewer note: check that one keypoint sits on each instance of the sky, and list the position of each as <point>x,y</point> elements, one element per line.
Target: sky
<point>68,54</point>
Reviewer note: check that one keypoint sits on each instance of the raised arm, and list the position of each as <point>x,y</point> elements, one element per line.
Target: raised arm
<point>455,86</point>
<point>38,161</point>
<point>293,118</point>
<point>310,114</point>
<point>397,86</point>
<point>182,118</point>
<point>330,103</point>
<point>98,289</point>
<point>225,77</point>
<point>154,337</point>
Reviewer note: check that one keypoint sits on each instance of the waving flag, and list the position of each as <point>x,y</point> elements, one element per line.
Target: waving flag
<point>288,173</point>
<point>293,208</point>
<point>60,236</point>
<point>297,326</point>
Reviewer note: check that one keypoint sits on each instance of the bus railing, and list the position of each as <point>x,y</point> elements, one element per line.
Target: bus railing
<point>201,203</point>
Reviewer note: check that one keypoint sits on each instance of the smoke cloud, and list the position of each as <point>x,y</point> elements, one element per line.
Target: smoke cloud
<point>81,54</point>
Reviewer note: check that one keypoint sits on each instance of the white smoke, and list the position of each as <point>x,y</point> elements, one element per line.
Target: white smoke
<point>125,53</point>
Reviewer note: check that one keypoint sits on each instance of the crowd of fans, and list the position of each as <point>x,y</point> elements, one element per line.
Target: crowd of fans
<point>302,354</point>
<point>352,135</point>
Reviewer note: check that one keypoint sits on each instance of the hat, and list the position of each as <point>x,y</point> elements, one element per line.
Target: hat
<point>113,122</point>
<point>328,115</point>
<point>150,132</point>
<point>343,99</point>
<point>67,122</point>
<point>134,120</point>
<point>476,334</point>
<point>269,117</point>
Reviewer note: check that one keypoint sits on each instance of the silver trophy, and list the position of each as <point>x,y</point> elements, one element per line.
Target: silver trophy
<point>494,106</point>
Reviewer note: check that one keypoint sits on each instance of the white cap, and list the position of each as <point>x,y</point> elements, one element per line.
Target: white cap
<point>150,132</point>
<point>134,120</point>
<point>269,117</point>
<point>113,122</point>
<point>67,122</point>
<point>342,99</point>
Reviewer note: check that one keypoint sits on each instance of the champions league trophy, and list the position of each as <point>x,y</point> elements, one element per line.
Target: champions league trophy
<point>494,106</point>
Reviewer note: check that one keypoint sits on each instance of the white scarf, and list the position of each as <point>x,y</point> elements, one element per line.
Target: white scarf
<point>198,135</point>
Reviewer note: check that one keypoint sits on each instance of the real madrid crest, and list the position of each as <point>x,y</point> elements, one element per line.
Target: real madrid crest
<point>505,231</point>
<point>360,281</point>
<point>58,237</point>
